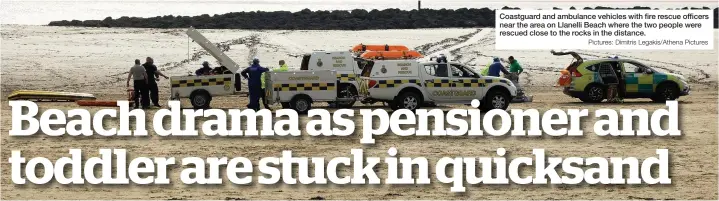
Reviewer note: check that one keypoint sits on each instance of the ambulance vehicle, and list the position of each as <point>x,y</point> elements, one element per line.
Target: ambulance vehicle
<point>588,80</point>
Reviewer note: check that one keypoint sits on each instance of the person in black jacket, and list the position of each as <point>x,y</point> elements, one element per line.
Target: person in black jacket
<point>153,75</point>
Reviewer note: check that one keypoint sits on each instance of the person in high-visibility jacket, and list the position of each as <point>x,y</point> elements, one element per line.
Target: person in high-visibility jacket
<point>485,72</point>
<point>283,68</point>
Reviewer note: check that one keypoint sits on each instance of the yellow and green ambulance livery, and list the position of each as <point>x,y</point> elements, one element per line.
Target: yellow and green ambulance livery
<point>588,80</point>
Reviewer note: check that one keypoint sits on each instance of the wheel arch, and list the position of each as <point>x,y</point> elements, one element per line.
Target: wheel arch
<point>301,95</point>
<point>353,86</point>
<point>411,89</point>
<point>668,82</point>
<point>501,88</point>
<point>200,91</point>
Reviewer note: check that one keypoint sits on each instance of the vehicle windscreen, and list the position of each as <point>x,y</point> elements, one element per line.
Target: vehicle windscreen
<point>305,62</point>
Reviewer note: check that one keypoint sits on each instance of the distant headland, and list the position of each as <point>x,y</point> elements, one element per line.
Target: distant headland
<point>306,19</point>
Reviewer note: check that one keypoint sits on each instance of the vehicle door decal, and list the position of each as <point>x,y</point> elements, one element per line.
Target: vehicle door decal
<point>640,83</point>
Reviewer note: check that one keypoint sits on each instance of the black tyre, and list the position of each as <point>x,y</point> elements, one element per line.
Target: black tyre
<point>347,92</point>
<point>392,105</point>
<point>429,104</point>
<point>594,94</point>
<point>301,104</point>
<point>495,99</point>
<point>200,100</point>
<point>665,92</point>
<point>285,105</point>
<point>408,100</point>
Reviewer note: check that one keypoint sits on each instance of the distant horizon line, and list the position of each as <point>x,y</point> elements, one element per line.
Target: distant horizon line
<point>497,7</point>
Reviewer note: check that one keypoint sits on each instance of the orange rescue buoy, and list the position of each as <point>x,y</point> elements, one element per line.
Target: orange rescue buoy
<point>364,48</point>
<point>391,55</point>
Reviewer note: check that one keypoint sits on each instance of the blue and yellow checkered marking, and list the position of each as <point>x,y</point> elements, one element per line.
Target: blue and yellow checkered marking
<point>347,77</point>
<point>438,83</point>
<point>394,83</point>
<point>201,82</point>
<point>462,82</point>
<point>470,83</point>
<point>305,86</point>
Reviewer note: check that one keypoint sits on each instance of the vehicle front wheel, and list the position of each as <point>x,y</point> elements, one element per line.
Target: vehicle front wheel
<point>408,100</point>
<point>594,94</point>
<point>665,92</point>
<point>495,100</point>
<point>285,105</point>
<point>301,104</point>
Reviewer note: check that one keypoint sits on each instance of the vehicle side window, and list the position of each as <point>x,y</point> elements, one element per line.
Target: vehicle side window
<point>633,67</point>
<point>437,70</point>
<point>593,68</point>
<point>360,63</point>
<point>461,71</point>
<point>305,62</point>
<point>456,72</point>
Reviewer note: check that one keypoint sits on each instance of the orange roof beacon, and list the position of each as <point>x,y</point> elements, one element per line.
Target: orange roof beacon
<point>411,54</point>
<point>364,48</point>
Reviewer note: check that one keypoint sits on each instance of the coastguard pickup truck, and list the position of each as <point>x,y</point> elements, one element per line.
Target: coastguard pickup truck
<point>407,84</point>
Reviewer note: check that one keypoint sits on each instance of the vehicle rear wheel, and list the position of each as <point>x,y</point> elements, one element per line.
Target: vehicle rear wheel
<point>347,92</point>
<point>495,99</point>
<point>665,92</point>
<point>408,100</point>
<point>200,100</point>
<point>429,104</point>
<point>301,104</point>
<point>594,94</point>
<point>392,105</point>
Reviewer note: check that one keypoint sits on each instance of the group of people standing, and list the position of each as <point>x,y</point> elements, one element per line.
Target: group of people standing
<point>255,75</point>
<point>145,77</point>
<point>494,68</point>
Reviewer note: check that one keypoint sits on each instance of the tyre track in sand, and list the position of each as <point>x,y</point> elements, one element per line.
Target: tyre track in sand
<point>485,39</point>
<point>429,48</point>
<point>251,41</point>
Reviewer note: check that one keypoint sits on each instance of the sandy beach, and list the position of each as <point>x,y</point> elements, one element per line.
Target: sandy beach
<point>95,60</point>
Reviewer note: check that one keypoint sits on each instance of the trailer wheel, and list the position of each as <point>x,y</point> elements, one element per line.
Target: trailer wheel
<point>200,99</point>
<point>301,104</point>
